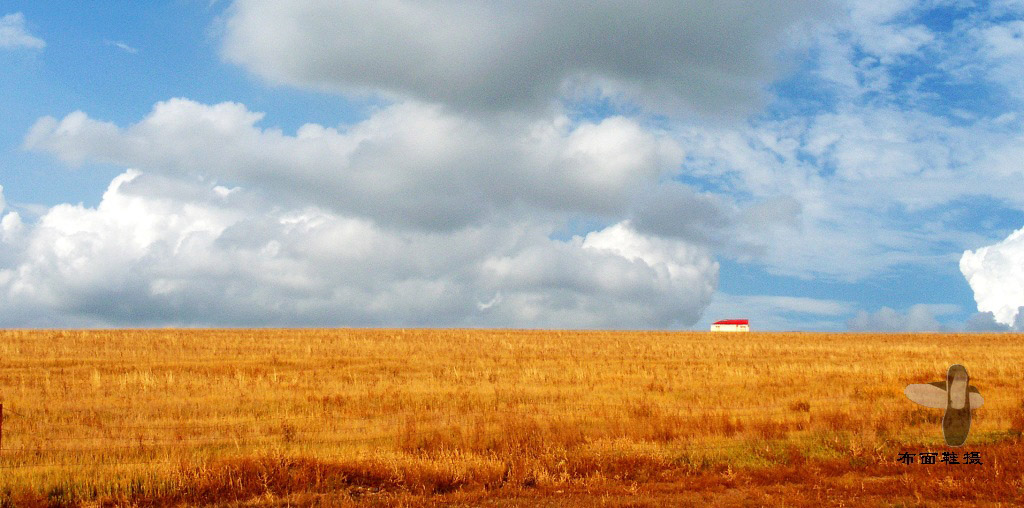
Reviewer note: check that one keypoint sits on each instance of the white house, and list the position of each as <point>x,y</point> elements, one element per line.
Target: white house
<point>731,325</point>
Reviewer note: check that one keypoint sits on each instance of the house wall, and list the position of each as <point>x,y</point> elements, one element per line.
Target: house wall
<point>730,328</point>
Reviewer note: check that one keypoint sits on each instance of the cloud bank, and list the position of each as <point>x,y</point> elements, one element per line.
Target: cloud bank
<point>409,164</point>
<point>160,251</point>
<point>705,55</point>
<point>918,318</point>
<point>13,33</point>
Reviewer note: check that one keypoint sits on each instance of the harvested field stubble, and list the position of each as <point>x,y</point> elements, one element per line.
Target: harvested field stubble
<point>278,417</point>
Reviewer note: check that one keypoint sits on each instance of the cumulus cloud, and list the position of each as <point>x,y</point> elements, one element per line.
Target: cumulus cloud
<point>10,231</point>
<point>918,318</point>
<point>674,209</point>
<point>10,222</point>
<point>996,275</point>
<point>985,322</point>
<point>13,33</point>
<point>705,55</point>
<point>408,164</point>
<point>165,251</point>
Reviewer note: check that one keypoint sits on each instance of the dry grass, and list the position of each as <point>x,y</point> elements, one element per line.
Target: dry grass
<point>335,417</point>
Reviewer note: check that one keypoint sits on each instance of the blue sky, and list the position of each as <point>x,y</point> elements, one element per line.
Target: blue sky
<point>807,165</point>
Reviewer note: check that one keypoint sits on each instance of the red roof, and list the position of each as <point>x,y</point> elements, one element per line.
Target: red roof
<point>732,322</point>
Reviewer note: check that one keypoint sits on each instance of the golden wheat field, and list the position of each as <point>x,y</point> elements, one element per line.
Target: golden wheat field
<point>497,417</point>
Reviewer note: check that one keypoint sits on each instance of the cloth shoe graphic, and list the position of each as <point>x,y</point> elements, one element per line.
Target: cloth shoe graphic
<point>956,396</point>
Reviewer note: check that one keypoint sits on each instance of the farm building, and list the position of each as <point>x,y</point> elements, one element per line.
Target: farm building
<point>731,325</point>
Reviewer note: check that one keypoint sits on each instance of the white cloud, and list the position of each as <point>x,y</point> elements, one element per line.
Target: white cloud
<point>705,55</point>
<point>160,251</point>
<point>985,322</point>
<point>880,34</point>
<point>613,278</point>
<point>488,304</point>
<point>885,144</point>
<point>856,53</point>
<point>123,46</point>
<point>844,190</point>
<point>996,275</point>
<point>872,161</point>
<point>416,166</point>
<point>14,35</point>
<point>10,225</point>
<point>1001,54</point>
<point>410,164</point>
<point>1003,7</point>
<point>450,215</point>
